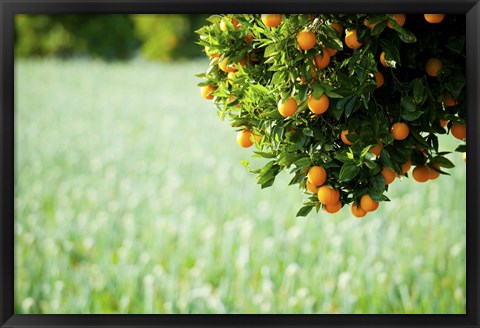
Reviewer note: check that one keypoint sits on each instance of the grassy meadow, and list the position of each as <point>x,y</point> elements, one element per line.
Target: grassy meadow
<point>131,198</point>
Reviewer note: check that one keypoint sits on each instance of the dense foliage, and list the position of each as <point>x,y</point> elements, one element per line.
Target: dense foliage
<point>346,103</point>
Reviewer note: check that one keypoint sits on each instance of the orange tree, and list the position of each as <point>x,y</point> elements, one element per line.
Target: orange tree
<point>345,102</point>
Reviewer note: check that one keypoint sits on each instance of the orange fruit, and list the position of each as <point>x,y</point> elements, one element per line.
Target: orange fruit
<point>443,123</point>
<point>306,40</point>
<point>272,20</point>
<point>333,208</point>
<point>244,138</point>
<point>389,175</point>
<point>357,211</point>
<point>351,40</point>
<point>434,18</point>
<point>459,131</point>
<point>248,38</point>
<point>421,173</point>
<point>433,66</point>
<point>328,196</point>
<point>338,27</point>
<point>312,188</point>
<point>399,18</point>
<point>377,149</point>
<point>465,157</point>
<point>331,52</point>
<point>368,204</point>
<point>400,131</point>
<point>343,136</point>
<point>406,166</point>
<point>288,108</point>
<point>318,106</point>
<point>207,91</point>
<point>226,68</point>
<point>317,175</point>
<point>448,100</point>
<point>322,60</point>
<point>433,173</point>
<point>382,59</point>
<point>223,24</point>
<point>379,79</point>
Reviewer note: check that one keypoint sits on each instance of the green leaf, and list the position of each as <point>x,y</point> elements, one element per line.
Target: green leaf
<point>461,148</point>
<point>456,44</point>
<point>443,162</point>
<point>308,132</point>
<point>419,138</point>
<point>419,91</point>
<point>412,116</point>
<point>267,167</point>
<point>341,103</point>
<point>302,161</point>
<point>348,171</point>
<point>404,34</point>
<point>260,88</point>
<point>385,158</point>
<point>271,50</point>
<point>317,91</point>
<point>370,164</point>
<point>365,151</point>
<point>377,184</point>
<point>337,111</point>
<point>304,211</point>
<point>278,77</point>
<point>342,157</point>
<point>408,37</point>
<point>349,106</point>
<point>392,56</point>
<point>378,29</point>
<point>408,104</point>
<point>267,183</point>
<point>263,154</point>
<point>288,158</point>
<point>297,178</point>
<point>267,174</point>
<point>332,94</point>
<point>455,84</point>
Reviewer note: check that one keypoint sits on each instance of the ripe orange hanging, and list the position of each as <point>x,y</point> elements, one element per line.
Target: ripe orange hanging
<point>288,108</point>
<point>351,40</point>
<point>306,40</point>
<point>328,196</point>
<point>272,20</point>
<point>368,204</point>
<point>318,106</point>
<point>434,18</point>
<point>400,131</point>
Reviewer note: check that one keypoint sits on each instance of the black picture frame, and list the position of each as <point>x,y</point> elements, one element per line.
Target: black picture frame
<point>9,8</point>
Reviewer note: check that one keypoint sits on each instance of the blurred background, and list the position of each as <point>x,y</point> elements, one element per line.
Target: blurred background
<point>130,196</point>
<point>108,37</point>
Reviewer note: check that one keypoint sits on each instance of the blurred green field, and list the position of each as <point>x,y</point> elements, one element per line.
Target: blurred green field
<point>131,198</point>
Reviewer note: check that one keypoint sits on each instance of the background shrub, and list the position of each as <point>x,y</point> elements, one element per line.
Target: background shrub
<point>110,37</point>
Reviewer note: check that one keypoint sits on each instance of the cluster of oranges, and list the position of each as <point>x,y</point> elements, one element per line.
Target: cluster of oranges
<point>318,58</point>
